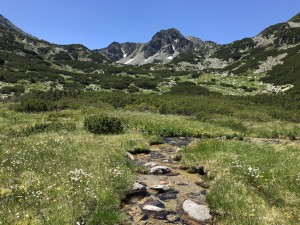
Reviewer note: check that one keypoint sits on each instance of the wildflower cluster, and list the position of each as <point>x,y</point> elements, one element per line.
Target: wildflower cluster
<point>80,176</point>
<point>253,175</point>
<point>236,163</point>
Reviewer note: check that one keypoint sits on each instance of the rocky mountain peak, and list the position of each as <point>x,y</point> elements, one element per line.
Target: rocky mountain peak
<point>170,41</point>
<point>168,36</point>
<point>163,47</point>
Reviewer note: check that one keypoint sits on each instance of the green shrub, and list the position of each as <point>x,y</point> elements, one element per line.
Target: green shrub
<point>44,127</point>
<point>18,89</point>
<point>102,124</point>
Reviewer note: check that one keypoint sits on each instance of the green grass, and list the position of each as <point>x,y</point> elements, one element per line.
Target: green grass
<point>249,183</point>
<point>53,171</point>
<point>61,176</point>
<point>55,179</point>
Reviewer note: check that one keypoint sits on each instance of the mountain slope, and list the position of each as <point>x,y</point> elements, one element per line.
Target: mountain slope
<point>259,54</point>
<point>14,40</point>
<point>272,56</point>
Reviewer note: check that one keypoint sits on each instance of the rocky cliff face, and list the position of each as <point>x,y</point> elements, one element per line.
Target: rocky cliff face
<point>164,46</point>
<point>167,41</point>
<point>116,51</point>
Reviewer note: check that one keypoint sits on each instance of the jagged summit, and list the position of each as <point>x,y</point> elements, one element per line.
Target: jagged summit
<point>170,41</point>
<point>168,35</point>
<point>163,47</point>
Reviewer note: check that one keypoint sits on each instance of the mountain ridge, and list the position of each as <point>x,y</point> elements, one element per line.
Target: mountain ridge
<point>163,47</point>
<point>274,51</point>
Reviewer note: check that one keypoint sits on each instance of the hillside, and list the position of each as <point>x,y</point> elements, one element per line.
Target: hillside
<point>266,63</point>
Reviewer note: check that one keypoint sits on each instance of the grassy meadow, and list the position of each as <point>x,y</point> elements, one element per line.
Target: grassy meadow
<point>53,171</point>
<point>249,183</point>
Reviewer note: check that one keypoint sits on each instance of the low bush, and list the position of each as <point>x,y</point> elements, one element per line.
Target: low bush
<point>102,124</point>
<point>43,127</point>
<point>18,89</point>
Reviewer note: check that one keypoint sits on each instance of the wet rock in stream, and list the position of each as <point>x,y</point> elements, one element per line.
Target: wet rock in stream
<point>161,188</point>
<point>138,187</point>
<point>152,208</point>
<point>156,155</point>
<point>160,170</point>
<point>196,211</point>
<point>167,196</point>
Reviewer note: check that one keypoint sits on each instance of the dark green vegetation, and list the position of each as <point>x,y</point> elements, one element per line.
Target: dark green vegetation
<point>103,125</point>
<point>186,99</point>
<point>289,72</point>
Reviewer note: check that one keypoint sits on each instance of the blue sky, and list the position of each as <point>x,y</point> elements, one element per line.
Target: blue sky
<point>97,23</point>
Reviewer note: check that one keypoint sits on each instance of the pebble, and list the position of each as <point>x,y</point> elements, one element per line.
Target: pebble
<point>152,208</point>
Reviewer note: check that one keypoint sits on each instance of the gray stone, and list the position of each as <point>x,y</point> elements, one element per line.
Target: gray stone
<point>196,211</point>
<point>173,218</point>
<point>138,188</point>
<point>130,156</point>
<point>152,208</point>
<point>161,187</point>
<point>154,201</point>
<point>160,170</point>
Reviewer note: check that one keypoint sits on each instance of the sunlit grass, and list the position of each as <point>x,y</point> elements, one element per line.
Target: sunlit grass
<point>63,176</point>
<point>250,183</point>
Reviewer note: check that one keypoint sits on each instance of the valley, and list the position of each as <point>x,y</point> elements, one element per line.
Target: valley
<point>173,131</point>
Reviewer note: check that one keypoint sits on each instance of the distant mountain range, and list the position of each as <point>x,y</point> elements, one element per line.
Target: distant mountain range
<point>276,51</point>
<point>164,46</point>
